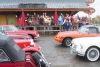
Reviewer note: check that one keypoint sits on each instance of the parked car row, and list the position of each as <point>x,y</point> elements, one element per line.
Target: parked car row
<point>83,42</point>
<point>19,49</point>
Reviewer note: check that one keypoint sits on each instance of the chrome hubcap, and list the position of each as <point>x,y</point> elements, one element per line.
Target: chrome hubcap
<point>68,42</point>
<point>93,53</point>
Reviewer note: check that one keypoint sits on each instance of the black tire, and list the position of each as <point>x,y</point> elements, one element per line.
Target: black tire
<point>39,60</point>
<point>92,54</point>
<point>67,42</point>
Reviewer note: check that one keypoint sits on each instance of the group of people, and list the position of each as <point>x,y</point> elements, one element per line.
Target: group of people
<point>40,19</point>
<point>67,22</point>
<point>72,22</point>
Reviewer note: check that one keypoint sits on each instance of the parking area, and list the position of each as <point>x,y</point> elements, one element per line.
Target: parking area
<point>60,56</point>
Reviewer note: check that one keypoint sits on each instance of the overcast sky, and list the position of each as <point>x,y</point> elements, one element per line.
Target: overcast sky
<point>96,5</point>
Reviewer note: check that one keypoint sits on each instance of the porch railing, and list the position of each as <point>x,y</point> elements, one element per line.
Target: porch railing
<point>44,29</point>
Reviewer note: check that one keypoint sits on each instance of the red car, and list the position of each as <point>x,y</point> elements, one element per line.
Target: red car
<point>11,55</point>
<point>11,29</point>
<point>28,45</point>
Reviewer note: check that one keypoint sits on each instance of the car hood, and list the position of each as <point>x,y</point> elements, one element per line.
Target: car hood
<point>68,33</point>
<point>21,32</point>
<point>87,41</point>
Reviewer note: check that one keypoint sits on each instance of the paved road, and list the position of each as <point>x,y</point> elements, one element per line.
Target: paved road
<point>60,56</point>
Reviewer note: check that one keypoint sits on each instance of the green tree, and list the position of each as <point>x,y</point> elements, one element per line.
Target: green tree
<point>96,20</point>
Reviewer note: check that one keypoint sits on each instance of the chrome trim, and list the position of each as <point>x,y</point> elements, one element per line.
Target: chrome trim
<point>44,60</point>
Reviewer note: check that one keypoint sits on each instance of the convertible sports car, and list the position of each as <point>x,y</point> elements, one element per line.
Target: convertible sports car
<point>88,47</point>
<point>85,31</point>
<point>11,55</point>
<point>11,29</point>
<point>27,44</point>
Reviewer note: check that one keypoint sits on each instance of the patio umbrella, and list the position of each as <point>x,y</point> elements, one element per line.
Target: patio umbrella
<point>81,14</point>
<point>23,20</point>
<point>55,17</point>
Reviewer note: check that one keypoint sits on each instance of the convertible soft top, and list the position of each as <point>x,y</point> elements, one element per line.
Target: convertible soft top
<point>14,52</point>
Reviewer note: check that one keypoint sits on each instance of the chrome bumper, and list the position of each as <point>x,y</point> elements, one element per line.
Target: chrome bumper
<point>44,60</point>
<point>75,52</point>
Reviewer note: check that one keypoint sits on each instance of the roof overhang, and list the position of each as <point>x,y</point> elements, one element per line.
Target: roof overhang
<point>42,9</point>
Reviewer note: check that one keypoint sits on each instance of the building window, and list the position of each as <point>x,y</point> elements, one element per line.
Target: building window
<point>32,6</point>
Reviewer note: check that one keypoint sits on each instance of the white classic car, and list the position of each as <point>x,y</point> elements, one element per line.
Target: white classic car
<point>88,47</point>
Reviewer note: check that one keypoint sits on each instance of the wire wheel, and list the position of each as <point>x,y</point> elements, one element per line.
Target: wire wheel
<point>92,54</point>
<point>67,42</point>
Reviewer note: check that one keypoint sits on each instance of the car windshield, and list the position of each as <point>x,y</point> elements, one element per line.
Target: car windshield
<point>10,28</point>
<point>83,30</point>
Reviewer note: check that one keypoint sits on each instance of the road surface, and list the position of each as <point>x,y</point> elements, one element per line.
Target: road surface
<point>60,56</point>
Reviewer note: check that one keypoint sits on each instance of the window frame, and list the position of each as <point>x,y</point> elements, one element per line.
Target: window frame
<point>97,30</point>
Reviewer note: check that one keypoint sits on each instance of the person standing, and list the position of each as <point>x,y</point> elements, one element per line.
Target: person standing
<point>52,20</point>
<point>41,20</point>
<point>66,24</point>
<point>60,20</point>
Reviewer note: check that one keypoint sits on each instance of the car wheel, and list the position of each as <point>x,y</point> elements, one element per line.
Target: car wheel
<point>92,54</point>
<point>67,42</point>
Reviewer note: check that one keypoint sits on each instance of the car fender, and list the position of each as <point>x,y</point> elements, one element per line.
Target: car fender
<point>92,46</point>
<point>86,47</point>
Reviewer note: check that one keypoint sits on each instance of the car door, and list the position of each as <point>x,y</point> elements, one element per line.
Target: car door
<point>4,60</point>
<point>20,64</point>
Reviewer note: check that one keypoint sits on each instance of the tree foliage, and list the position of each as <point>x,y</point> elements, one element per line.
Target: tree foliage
<point>96,20</point>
